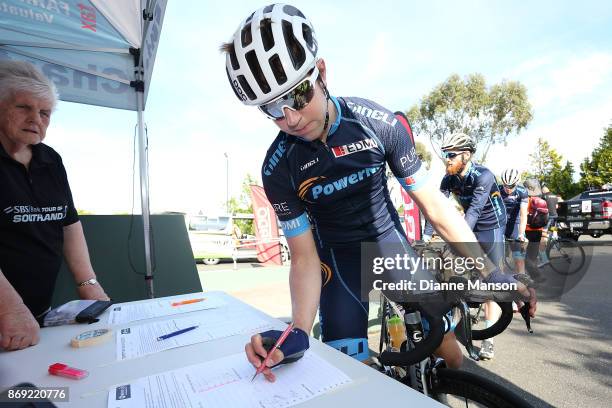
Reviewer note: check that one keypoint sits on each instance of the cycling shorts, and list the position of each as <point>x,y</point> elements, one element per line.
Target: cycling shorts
<point>492,244</point>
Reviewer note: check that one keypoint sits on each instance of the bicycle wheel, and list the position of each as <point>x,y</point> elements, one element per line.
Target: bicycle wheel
<point>457,387</point>
<point>479,331</point>
<point>565,256</point>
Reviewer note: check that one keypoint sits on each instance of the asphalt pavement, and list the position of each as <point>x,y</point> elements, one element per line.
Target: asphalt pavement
<point>566,362</point>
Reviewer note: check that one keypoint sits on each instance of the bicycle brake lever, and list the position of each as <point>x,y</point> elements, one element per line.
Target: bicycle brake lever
<point>524,310</point>
<point>467,331</point>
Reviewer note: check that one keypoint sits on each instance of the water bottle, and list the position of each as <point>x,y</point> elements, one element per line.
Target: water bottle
<point>397,332</point>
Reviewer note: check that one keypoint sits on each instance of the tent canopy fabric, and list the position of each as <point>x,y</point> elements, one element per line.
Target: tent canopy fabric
<point>95,51</point>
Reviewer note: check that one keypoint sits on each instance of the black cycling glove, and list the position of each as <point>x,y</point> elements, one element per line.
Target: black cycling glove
<point>293,347</point>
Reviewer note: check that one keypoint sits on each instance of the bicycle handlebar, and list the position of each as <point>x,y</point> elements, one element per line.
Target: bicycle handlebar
<point>422,349</point>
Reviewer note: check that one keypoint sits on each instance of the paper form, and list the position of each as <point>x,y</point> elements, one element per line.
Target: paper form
<point>226,382</point>
<point>138,341</point>
<point>122,313</point>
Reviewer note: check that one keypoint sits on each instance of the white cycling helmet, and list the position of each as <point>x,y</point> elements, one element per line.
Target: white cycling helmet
<point>510,177</point>
<point>274,48</point>
<point>459,142</point>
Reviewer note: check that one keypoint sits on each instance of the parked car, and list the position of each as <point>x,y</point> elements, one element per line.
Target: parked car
<point>212,239</point>
<point>590,213</point>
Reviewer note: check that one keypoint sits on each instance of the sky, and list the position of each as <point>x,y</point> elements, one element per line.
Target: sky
<point>392,52</point>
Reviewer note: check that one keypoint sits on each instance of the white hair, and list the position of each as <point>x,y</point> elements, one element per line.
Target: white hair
<point>21,76</point>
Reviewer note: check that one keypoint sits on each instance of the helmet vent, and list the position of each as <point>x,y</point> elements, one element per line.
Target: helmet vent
<point>255,68</point>
<point>245,35</point>
<point>246,87</point>
<point>268,9</point>
<point>277,69</point>
<point>248,20</point>
<point>233,59</point>
<point>307,33</point>
<point>266,33</point>
<point>292,11</point>
<point>296,51</point>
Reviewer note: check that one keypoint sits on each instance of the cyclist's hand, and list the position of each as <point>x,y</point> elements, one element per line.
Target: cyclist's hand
<point>290,351</point>
<point>426,238</point>
<point>522,238</point>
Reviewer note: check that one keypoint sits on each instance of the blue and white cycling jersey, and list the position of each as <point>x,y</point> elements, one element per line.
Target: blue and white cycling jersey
<point>513,202</point>
<point>341,184</point>
<point>479,196</point>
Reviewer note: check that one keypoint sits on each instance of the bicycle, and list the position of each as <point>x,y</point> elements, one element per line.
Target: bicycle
<point>414,363</point>
<point>565,256</point>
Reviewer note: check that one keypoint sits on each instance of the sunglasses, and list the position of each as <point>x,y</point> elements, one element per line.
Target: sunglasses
<point>509,186</point>
<point>451,155</point>
<point>297,98</point>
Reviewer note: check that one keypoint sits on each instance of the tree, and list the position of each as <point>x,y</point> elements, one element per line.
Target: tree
<point>597,171</point>
<point>242,204</point>
<point>546,166</point>
<point>490,115</point>
<point>423,154</point>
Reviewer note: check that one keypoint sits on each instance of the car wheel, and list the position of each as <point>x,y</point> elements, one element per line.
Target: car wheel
<point>211,261</point>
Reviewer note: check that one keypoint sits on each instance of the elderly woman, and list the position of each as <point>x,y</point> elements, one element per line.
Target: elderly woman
<point>38,220</point>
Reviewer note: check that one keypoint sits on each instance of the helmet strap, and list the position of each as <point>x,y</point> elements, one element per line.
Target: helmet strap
<point>327,99</point>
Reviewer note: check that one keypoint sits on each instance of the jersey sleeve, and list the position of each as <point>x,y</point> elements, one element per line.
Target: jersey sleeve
<point>524,196</point>
<point>482,191</point>
<point>400,153</point>
<point>282,193</point>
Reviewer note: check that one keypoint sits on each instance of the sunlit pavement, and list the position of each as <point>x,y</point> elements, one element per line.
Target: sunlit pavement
<point>566,362</point>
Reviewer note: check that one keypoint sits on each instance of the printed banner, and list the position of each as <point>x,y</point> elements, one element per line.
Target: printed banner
<point>266,228</point>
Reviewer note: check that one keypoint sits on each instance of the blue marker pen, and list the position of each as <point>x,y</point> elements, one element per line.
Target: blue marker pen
<point>176,333</point>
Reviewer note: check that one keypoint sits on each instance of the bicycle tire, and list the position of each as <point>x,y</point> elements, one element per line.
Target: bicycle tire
<point>571,267</point>
<point>474,387</point>
<point>498,327</point>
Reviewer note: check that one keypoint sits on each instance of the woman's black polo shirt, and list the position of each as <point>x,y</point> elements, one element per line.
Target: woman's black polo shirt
<point>35,205</point>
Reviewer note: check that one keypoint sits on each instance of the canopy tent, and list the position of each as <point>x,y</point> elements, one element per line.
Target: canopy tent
<point>97,52</point>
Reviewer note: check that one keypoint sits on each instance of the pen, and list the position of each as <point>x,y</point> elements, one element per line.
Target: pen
<point>279,343</point>
<point>187,302</point>
<point>175,333</point>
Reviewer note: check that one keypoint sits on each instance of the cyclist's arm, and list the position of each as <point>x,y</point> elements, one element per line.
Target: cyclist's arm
<point>304,280</point>
<point>443,217</point>
<point>429,229</point>
<point>479,199</point>
<point>523,219</point>
<point>453,228</point>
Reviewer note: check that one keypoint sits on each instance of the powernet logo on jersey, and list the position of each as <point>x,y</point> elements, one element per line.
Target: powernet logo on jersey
<point>355,147</point>
<point>340,184</point>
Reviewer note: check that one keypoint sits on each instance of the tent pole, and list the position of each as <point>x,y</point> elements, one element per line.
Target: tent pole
<point>144,194</point>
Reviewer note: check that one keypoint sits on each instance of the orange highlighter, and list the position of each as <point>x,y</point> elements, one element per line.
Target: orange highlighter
<point>188,302</point>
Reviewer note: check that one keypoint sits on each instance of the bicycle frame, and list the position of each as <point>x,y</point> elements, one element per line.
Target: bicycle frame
<point>418,375</point>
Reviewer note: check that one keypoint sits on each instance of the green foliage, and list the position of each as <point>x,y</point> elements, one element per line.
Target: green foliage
<point>423,154</point>
<point>490,115</point>
<point>547,167</point>
<point>597,170</point>
<point>242,204</point>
